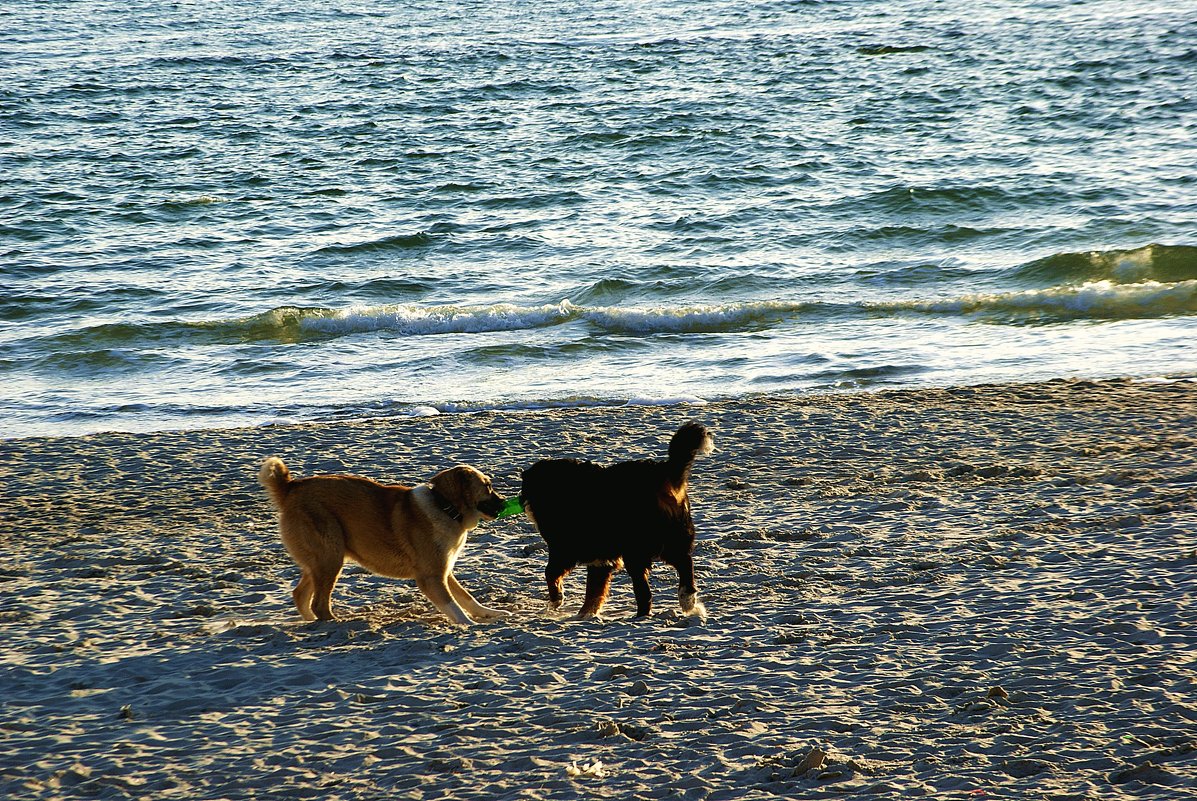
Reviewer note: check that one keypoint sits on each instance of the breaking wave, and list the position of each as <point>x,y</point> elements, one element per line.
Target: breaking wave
<point>1136,283</point>
<point>417,320</point>
<point>1143,283</point>
<point>1161,263</point>
<point>1096,300</point>
<point>1102,299</point>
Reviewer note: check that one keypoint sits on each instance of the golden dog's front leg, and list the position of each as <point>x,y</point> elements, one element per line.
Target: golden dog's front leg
<point>437,590</point>
<point>475,609</point>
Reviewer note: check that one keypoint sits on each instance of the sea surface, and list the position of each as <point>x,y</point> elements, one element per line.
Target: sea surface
<point>238,213</point>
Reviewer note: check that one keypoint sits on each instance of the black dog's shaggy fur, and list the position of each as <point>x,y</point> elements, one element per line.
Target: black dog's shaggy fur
<point>628,514</point>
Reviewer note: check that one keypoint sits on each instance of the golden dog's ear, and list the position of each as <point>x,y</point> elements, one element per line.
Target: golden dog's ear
<point>459,485</point>
<point>464,484</point>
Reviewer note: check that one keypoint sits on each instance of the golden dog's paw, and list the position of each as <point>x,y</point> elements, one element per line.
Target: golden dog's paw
<point>486,613</point>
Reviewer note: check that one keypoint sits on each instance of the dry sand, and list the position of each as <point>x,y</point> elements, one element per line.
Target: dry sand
<point>983,592</point>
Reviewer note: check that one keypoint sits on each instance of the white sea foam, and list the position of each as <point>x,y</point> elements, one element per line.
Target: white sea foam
<point>1129,266</point>
<point>570,403</point>
<point>1095,299</point>
<point>678,400</point>
<point>441,319</point>
<point>417,320</point>
<point>715,317</point>
<point>1105,299</point>
<point>1162,379</point>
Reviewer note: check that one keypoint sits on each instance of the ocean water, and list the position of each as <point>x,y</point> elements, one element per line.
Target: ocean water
<point>217,213</point>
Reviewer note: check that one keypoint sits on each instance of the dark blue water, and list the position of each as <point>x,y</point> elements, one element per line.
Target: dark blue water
<point>233,213</point>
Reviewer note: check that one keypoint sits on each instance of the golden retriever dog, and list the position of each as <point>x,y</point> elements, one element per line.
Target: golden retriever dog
<point>390,530</point>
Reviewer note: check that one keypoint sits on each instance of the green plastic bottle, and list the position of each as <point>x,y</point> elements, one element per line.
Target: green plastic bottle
<point>511,506</point>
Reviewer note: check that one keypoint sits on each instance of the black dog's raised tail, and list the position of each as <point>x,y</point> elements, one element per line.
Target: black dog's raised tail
<point>691,441</point>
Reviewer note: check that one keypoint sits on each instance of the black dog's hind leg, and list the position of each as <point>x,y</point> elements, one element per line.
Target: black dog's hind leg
<point>554,574</point>
<point>638,570</point>
<point>598,584</point>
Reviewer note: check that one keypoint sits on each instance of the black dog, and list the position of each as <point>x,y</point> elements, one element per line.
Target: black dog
<point>627,514</point>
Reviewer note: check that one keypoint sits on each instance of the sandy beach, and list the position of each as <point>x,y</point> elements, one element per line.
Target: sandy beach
<point>982,592</point>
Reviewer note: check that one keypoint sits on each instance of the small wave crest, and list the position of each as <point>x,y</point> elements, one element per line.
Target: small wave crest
<point>692,319</point>
<point>1162,263</point>
<point>1096,300</point>
<point>297,323</point>
<point>419,320</point>
<point>394,242</point>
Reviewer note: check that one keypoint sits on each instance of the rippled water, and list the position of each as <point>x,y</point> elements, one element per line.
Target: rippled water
<point>232,213</point>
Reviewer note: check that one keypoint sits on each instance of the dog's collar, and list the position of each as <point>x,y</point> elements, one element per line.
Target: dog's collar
<point>445,505</point>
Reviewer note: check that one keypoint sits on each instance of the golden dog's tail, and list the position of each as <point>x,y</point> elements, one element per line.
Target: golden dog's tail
<point>275,477</point>
<point>691,441</point>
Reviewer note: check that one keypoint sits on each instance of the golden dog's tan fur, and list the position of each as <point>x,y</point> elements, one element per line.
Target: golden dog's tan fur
<point>391,530</point>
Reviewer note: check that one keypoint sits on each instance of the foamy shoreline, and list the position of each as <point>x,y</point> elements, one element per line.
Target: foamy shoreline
<point>972,592</point>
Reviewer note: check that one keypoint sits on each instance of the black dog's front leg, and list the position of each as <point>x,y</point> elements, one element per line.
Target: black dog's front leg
<point>644,594</point>
<point>554,574</point>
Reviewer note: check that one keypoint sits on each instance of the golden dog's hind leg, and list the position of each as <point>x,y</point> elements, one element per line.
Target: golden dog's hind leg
<point>476,610</point>
<point>302,595</point>
<point>324,579</point>
<point>437,590</point>
<point>316,542</point>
